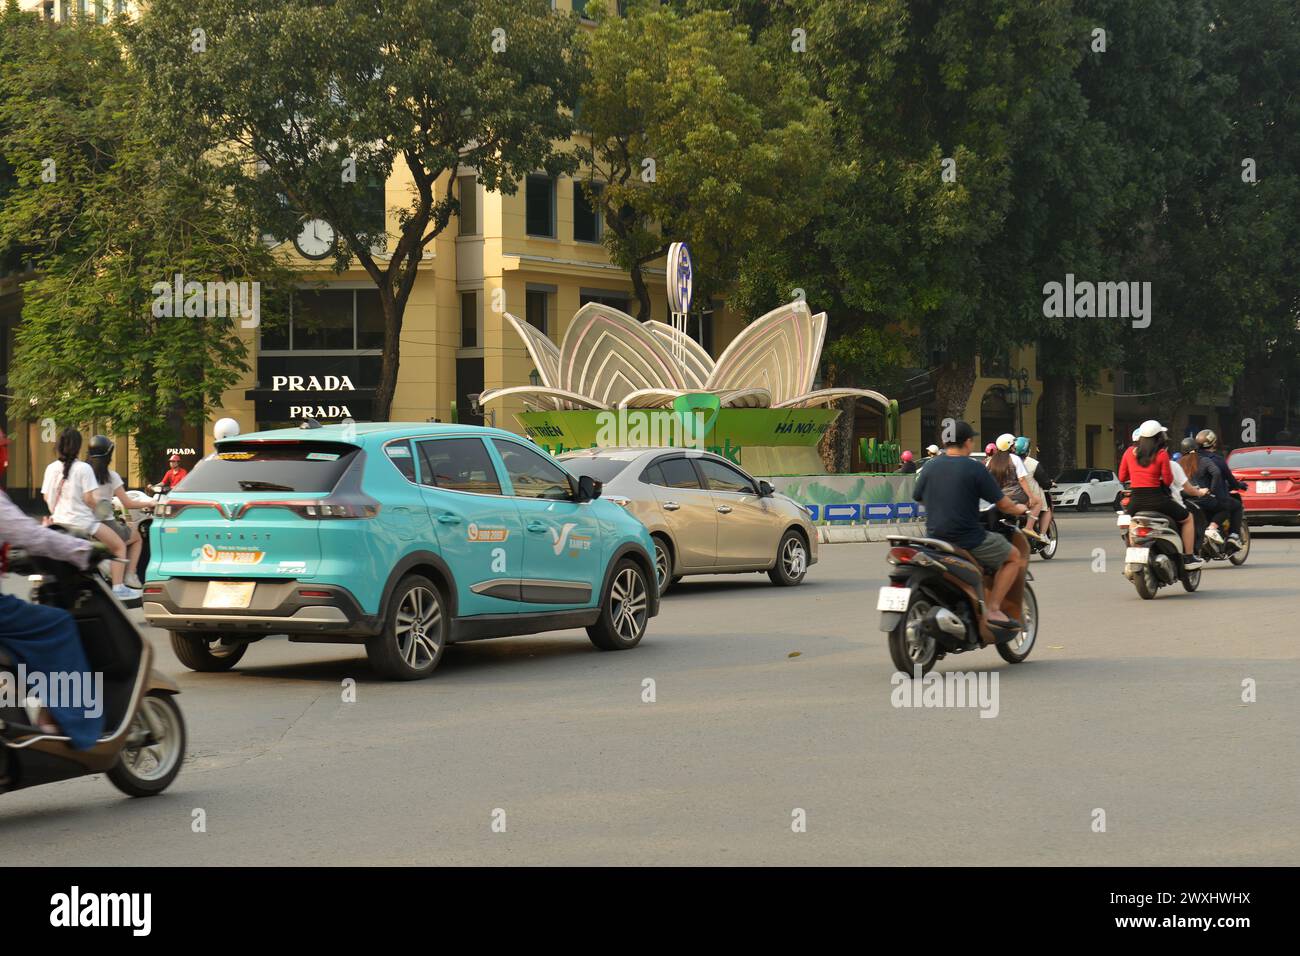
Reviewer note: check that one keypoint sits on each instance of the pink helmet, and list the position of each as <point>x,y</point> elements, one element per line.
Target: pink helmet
<point>990,449</point>
<point>907,456</point>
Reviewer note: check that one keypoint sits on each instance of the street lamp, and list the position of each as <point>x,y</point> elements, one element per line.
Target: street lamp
<point>1019,394</point>
<point>534,379</point>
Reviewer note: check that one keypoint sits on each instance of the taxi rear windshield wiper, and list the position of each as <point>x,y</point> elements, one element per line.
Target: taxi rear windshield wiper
<point>249,485</point>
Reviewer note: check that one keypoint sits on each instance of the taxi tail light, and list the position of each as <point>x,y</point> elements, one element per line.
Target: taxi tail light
<point>316,594</point>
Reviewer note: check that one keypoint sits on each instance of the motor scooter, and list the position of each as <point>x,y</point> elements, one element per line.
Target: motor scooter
<point>143,742</point>
<point>934,604</point>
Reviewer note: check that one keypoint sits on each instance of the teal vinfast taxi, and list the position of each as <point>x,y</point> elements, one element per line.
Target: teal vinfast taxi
<point>404,537</point>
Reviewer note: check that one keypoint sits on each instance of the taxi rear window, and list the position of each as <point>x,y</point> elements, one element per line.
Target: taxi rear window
<point>298,466</point>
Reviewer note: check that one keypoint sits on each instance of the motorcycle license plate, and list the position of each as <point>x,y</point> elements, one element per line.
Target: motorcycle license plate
<point>1137,555</point>
<point>226,595</point>
<point>1123,521</point>
<point>1266,487</point>
<point>893,599</point>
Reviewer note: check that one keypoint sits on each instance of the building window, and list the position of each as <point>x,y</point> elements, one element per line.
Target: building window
<point>586,220</point>
<point>539,200</point>
<point>615,300</point>
<point>580,8</point>
<point>469,320</point>
<point>467,194</point>
<point>535,306</point>
<point>333,320</point>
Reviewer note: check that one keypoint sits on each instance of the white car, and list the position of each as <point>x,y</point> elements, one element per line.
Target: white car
<point>1082,488</point>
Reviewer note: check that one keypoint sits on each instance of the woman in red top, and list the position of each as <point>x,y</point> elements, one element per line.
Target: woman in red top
<point>1148,474</point>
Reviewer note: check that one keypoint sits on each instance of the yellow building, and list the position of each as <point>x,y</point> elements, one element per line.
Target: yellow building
<point>1006,397</point>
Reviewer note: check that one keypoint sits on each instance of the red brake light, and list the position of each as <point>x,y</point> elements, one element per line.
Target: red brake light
<point>1143,532</point>
<point>901,555</point>
<point>319,594</point>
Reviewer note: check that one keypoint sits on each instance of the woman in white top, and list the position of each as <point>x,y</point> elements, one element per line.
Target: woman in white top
<point>65,485</point>
<point>116,534</point>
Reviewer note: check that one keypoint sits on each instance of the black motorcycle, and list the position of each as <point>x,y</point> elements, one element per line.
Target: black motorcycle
<point>934,604</point>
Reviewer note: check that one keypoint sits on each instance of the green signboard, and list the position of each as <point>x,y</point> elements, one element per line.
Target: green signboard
<point>724,431</point>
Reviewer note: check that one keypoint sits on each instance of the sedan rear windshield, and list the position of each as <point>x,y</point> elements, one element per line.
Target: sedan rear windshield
<point>300,466</point>
<point>598,469</point>
<point>1265,459</point>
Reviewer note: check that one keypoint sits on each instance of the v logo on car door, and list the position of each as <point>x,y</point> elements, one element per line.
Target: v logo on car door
<point>561,537</point>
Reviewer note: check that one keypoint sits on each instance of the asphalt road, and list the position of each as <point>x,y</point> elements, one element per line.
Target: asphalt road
<point>768,701</point>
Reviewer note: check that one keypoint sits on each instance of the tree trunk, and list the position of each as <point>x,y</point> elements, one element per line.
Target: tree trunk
<point>389,363</point>
<point>1059,410</point>
<point>952,384</point>
<point>642,294</point>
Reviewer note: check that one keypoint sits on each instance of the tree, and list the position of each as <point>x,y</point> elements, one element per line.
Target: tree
<point>299,103</point>
<point>105,218</point>
<point>693,132</point>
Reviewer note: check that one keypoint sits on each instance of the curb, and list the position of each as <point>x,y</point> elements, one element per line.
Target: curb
<point>863,532</point>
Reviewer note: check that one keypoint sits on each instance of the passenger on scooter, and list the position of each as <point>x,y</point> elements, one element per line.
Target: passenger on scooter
<point>1039,482</point>
<point>1218,477</point>
<point>1009,471</point>
<point>951,488</point>
<point>109,486</point>
<point>1150,477</point>
<point>1182,486</point>
<point>45,639</point>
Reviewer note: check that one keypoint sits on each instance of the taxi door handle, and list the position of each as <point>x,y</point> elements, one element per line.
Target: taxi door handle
<point>671,506</point>
<point>724,510</point>
<point>448,518</point>
<point>537,527</point>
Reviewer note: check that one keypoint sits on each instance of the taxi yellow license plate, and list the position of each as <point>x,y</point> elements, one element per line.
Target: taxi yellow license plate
<point>228,595</point>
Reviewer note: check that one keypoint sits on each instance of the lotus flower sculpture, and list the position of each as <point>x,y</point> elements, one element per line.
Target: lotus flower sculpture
<point>610,360</point>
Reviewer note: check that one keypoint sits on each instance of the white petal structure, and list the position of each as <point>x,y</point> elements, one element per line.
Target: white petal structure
<point>779,352</point>
<point>610,360</point>
<point>698,365</point>
<point>545,356</point>
<point>607,355</point>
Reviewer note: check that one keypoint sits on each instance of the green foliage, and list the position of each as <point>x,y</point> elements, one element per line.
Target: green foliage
<point>739,145</point>
<point>104,215</point>
<point>283,93</point>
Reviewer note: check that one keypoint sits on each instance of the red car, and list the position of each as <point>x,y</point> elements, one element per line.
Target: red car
<point>1272,477</point>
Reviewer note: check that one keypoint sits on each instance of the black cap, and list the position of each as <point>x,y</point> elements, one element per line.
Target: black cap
<point>960,433</point>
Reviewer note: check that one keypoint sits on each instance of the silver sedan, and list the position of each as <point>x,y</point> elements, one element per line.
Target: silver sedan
<point>705,514</point>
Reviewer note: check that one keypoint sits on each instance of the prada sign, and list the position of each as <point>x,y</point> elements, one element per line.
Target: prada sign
<point>326,388</point>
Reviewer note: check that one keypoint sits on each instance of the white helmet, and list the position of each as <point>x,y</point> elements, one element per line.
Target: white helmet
<point>225,428</point>
<point>1006,441</point>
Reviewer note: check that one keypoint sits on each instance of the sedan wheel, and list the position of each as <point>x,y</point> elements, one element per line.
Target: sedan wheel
<point>663,566</point>
<point>791,560</point>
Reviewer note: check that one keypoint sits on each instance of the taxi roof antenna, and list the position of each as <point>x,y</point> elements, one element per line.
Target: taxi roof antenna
<point>310,422</point>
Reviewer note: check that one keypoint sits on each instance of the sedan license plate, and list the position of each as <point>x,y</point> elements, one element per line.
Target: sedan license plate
<point>1137,555</point>
<point>893,599</point>
<point>1123,521</point>
<point>1266,487</point>
<point>227,595</point>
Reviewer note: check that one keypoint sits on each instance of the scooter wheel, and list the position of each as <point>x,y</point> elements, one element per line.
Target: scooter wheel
<point>921,651</point>
<point>1192,580</point>
<point>1145,583</point>
<point>155,748</point>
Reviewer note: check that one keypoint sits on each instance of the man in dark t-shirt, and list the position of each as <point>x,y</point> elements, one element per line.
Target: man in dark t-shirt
<point>951,487</point>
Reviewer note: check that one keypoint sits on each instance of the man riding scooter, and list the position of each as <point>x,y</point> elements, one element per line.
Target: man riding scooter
<point>44,638</point>
<point>951,488</point>
<point>1214,473</point>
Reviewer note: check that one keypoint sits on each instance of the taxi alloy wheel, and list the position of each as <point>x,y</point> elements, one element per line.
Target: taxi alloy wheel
<point>414,635</point>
